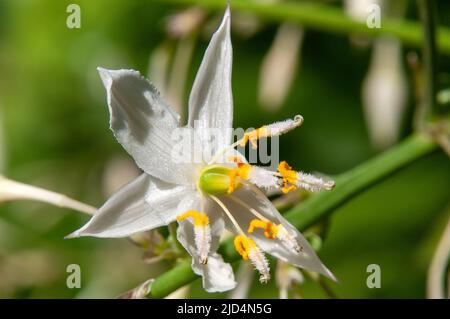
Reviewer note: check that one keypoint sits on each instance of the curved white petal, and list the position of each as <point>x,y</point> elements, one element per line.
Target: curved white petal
<point>144,124</point>
<point>211,101</point>
<point>217,275</point>
<point>254,198</point>
<point>143,204</point>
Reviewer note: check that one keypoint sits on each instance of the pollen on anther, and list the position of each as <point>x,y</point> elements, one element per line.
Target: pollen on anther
<point>202,233</point>
<point>274,129</point>
<point>248,249</point>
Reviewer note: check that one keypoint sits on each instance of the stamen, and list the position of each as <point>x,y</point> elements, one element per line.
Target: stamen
<point>202,233</point>
<point>293,180</point>
<point>256,175</point>
<point>254,135</point>
<point>242,245</point>
<point>290,241</point>
<point>289,177</point>
<point>241,171</point>
<point>272,231</point>
<point>228,213</point>
<point>313,183</point>
<point>251,209</point>
<point>248,249</point>
<point>200,219</point>
<point>263,178</point>
<point>274,129</point>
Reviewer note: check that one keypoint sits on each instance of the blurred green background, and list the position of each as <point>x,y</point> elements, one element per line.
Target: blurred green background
<point>54,134</point>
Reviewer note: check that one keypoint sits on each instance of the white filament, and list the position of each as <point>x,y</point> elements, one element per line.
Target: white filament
<point>278,128</point>
<point>289,240</point>
<point>312,183</point>
<point>261,264</point>
<point>202,235</point>
<point>274,129</point>
<point>251,209</point>
<point>263,178</point>
<point>228,213</point>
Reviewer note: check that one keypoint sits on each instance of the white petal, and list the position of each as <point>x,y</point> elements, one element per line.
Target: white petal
<point>143,204</point>
<point>254,198</point>
<point>143,123</point>
<point>217,275</point>
<point>211,101</point>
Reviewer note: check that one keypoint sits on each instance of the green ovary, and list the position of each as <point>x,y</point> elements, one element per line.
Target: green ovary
<point>215,180</point>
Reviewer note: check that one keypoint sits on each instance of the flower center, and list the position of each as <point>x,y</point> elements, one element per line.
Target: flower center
<point>218,180</point>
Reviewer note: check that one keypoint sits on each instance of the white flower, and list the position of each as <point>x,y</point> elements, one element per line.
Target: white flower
<point>204,198</point>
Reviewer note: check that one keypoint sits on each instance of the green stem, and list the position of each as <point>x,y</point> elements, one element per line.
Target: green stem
<point>427,15</point>
<point>356,180</point>
<point>326,18</point>
<point>173,238</point>
<point>315,208</point>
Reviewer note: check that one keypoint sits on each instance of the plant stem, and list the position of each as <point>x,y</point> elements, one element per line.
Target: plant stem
<point>356,180</point>
<point>322,284</point>
<point>438,266</point>
<point>318,206</point>
<point>326,18</point>
<point>173,238</point>
<point>428,17</point>
<point>173,279</point>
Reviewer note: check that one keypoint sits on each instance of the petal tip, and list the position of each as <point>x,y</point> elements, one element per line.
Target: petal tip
<point>105,75</point>
<point>225,24</point>
<point>228,8</point>
<point>227,14</point>
<point>330,275</point>
<point>75,234</point>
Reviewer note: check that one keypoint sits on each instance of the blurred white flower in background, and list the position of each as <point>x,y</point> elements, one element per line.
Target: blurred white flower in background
<point>286,277</point>
<point>169,62</point>
<point>280,66</point>
<point>244,280</point>
<point>359,9</point>
<point>186,22</point>
<point>385,92</point>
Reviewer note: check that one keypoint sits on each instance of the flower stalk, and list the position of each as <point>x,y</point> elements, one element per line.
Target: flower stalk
<point>437,269</point>
<point>11,190</point>
<point>428,17</point>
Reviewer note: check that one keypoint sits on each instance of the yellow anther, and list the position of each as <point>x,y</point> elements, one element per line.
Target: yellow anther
<point>241,171</point>
<point>289,177</point>
<point>243,245</point>
<point>200,219</point>
<point>235,159</point>
<point>254,135</point>
<point>270,230</point>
